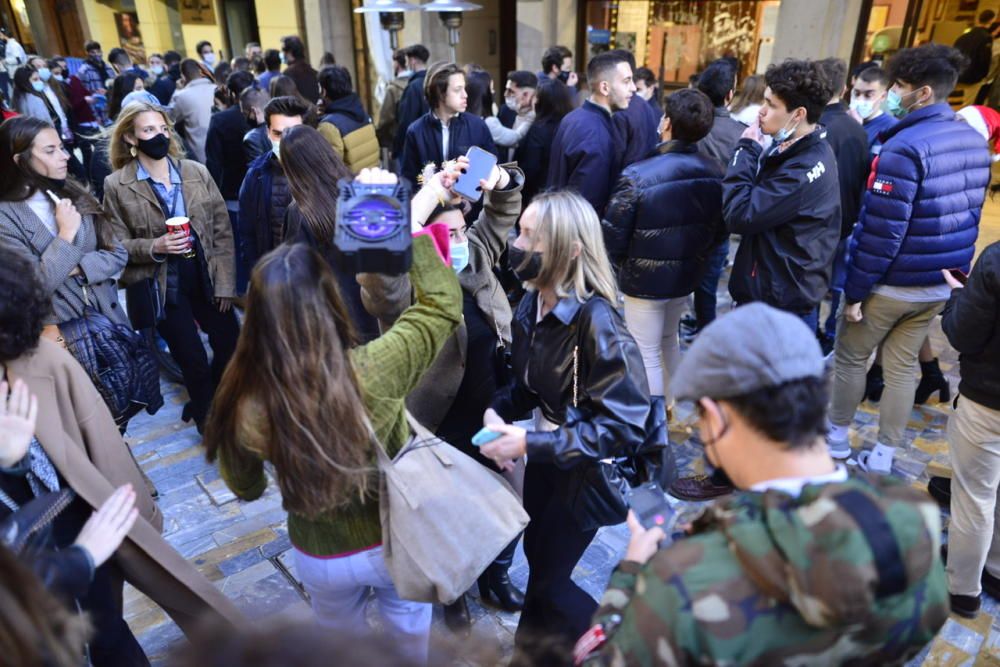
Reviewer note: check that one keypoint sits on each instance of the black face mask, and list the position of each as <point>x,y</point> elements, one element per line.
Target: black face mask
<point>526,265</point>
<point>563,76</point>
<point>156,148</point>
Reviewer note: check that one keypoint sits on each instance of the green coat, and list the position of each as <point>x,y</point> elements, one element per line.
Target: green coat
<point>768,579</point>
<point>388,368</point>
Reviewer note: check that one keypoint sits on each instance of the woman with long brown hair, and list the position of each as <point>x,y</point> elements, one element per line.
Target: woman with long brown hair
<point>193,272</point>
<point>312,167</point>
<point>301,395</point>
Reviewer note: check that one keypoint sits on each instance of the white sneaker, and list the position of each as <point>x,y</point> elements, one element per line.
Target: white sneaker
<point>878,460</point>
<point>839,449</point>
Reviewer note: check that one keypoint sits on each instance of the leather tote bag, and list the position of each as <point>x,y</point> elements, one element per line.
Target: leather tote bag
<point>445,517</point>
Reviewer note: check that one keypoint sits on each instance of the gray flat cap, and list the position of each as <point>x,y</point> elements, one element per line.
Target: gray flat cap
<point>753,347</point>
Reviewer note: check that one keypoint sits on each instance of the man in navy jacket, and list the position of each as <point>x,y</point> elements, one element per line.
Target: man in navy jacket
<point>413,103</point>
<point>446,131</point>
<point>919,215</point>
<point>586,148</point>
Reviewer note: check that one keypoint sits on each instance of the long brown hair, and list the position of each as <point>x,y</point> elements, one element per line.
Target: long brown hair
<point>292,366</point>
<point>120,151</point>
<point>36,630</point>
<point>19,181</point>
<point>313,170</point>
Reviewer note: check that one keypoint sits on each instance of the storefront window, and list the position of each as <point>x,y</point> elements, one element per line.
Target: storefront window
<point>677,38</point>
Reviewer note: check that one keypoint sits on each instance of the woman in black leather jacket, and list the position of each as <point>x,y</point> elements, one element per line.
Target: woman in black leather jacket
<point>578,367</point>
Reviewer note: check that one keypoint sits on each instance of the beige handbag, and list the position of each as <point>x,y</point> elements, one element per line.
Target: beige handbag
<point>445,517</point>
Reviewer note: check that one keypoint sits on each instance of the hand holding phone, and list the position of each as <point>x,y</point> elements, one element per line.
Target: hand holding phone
<point>651,507</point>
<point>480,167</point>
<point>960,276</point>
<point>484,436</point>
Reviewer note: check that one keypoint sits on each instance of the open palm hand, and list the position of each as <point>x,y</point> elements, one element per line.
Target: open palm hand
<point>18,412</point>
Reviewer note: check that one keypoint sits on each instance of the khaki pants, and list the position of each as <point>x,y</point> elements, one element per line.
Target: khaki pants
<point>900,327</point>
<point>974,442</point>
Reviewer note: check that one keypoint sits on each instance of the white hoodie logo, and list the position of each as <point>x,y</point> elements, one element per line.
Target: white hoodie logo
<point>816,171</point>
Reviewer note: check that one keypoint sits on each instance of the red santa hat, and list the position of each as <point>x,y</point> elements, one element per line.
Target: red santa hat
<point>986,122</point>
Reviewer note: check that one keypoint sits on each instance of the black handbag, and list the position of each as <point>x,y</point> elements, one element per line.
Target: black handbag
<point>118,361</point>
<point>27,527</point>
<point>144,302</point>
<point>598,492</point>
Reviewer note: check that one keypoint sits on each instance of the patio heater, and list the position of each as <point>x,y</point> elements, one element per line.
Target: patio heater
<point>450,13</point>
<point>390,15</point>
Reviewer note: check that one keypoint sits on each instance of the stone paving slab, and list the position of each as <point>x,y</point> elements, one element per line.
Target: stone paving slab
<point>243,548</point>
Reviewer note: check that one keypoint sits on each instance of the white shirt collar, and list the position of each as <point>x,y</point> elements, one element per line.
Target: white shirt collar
<point>793,485</point>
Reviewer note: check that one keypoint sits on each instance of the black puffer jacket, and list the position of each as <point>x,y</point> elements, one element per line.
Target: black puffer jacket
<point>971,320</point>
<point>664,218</point>
<point>788,212</point>
<point>611,385</point>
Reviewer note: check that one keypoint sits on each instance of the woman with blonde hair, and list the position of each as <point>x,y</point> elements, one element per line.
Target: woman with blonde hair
<point>578,367</point>
<point>192,273</point>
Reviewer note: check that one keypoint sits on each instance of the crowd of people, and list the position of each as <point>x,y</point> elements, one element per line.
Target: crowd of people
<point>550,312</point>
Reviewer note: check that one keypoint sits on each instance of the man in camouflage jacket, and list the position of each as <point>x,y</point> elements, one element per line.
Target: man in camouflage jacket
<point>806,566</point>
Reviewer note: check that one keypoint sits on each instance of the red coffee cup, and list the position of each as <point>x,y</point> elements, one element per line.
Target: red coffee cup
<point>182,224</point>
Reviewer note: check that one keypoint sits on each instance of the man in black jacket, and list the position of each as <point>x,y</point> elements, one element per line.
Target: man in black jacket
<point>849,142</point>
<point>971,321</point>
<point>446,131</point>
<point>264,195</point>
<point>224,154</point>
<point>413,103</point>
<point>586,150</point>
<point>788,209</point>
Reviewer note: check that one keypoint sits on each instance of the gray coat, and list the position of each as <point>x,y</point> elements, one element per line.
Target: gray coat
<point>23,232</point>
<point>386,297</point>
<point>34,106</point>
<point>720,144</point>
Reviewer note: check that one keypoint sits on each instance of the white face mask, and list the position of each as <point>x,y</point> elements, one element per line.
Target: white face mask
<point>864,108</point>
<point>209,58</point>
<point>276,148</point>
<point>157,70</point>
<point>511,102</point>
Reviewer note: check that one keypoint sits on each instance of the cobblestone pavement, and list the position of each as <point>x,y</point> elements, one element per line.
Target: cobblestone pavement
<point>244,549</point>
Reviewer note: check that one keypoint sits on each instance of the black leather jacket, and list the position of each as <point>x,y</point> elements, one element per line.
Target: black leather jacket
<point>613,396</point>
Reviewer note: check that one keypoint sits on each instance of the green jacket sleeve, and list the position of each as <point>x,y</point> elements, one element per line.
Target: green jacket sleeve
<point>391,366</point>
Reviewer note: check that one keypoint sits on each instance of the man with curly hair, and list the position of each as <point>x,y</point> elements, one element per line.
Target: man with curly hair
<point>784,200</point>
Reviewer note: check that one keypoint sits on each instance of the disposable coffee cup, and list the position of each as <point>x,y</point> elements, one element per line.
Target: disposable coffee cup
<point>182,224</point>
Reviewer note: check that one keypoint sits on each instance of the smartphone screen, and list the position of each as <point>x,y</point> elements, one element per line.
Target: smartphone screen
<point>481,163</point>
<point>651,507</point>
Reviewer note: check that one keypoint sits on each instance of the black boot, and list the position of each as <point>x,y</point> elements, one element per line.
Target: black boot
<point>874,384</point>
<point>456,616</point>
<point>495,586</point>
<point>931,380</point>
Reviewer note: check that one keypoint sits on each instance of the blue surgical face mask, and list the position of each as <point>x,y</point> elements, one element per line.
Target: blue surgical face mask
<point>459,255</point>
<point>39,86</point>
<point>894,103</point>
<point>784,133</point>
<point>283,61</point>
<point>44,73</point>
<point>156,70</point>
<point>209,58</point>
<point>59,77</point>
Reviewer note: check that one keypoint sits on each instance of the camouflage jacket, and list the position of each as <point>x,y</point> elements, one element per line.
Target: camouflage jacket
<point>847,573</point>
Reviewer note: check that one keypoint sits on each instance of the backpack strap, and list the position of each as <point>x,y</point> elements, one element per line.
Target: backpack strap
<point>877,531</point>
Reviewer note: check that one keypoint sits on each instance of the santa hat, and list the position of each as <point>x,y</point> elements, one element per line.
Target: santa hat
<point>986,122</point>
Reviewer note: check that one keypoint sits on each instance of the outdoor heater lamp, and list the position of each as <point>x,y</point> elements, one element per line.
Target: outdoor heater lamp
<point>450,13</point>
<point>390,15</point>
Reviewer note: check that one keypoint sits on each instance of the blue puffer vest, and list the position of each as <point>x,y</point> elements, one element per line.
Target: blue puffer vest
<point>921,210</point>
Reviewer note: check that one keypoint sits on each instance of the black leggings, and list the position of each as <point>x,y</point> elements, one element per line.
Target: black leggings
<point>180,330</point>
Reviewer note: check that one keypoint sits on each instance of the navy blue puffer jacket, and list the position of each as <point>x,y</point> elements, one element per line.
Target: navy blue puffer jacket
<point>921,211</point>
<point>664,219</point>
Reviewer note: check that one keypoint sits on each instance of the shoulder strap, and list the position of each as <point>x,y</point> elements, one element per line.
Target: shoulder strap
<point>885,551</point>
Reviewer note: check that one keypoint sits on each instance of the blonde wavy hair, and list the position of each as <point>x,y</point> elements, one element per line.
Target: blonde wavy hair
<point>119,151</point>
<point>566,221</point>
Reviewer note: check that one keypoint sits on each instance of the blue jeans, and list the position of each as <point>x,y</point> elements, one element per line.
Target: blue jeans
<point>811,319</point>
<point>705,296</point>
<point>836,287</point>
<point>339,590</point>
